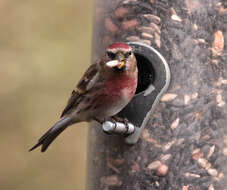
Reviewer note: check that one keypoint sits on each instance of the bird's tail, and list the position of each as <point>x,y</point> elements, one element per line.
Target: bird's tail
<point>52,133</point>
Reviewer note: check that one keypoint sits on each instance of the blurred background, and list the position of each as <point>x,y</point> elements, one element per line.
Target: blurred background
<point>45,47</point>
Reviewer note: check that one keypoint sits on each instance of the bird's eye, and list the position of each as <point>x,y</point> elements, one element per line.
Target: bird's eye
<point>128,54</point>
<point>111,55</point>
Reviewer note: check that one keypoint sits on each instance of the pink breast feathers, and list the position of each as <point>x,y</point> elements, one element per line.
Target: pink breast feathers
<point>121,87</point>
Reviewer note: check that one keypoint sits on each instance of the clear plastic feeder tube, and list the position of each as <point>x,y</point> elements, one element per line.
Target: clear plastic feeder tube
<point>184,143</point>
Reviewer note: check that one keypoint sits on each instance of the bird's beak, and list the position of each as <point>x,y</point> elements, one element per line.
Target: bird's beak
<point>121,59</point>
<point>119,62</point>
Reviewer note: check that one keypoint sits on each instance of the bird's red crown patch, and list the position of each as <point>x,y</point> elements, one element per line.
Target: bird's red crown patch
<point>119,45</point>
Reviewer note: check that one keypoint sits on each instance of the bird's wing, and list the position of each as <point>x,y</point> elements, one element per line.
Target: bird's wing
<point>88,80</point>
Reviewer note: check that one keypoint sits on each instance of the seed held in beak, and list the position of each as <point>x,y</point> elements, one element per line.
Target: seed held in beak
<point>115,63</point>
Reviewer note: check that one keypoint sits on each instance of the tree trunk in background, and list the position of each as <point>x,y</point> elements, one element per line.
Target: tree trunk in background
<point>184,145</point>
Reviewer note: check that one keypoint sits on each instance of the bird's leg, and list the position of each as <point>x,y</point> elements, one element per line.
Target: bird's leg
<point>120,119</point>
<point>98,120</point>
<point>116,118</point>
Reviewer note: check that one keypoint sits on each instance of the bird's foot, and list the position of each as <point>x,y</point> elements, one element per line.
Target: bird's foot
<point>119,119</point>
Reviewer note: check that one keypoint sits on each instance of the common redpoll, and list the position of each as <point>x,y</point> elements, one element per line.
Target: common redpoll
<point>104,90</point>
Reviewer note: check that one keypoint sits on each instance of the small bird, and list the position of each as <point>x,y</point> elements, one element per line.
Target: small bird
<point>103,91</point>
